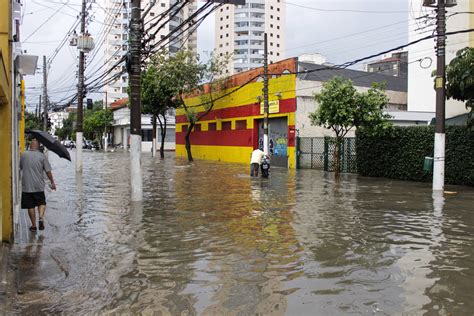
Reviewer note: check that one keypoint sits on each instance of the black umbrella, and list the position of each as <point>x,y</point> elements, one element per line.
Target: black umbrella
<point>51,143</point>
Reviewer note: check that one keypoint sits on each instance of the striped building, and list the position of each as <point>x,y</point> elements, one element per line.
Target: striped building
<point>234,127</point>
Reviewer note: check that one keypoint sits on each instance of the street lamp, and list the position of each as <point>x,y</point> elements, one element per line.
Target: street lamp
<point>440,86</point>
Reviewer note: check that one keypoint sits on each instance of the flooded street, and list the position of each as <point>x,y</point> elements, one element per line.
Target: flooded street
<point>208,239</point>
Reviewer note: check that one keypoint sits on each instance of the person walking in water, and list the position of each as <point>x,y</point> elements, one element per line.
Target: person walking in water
<point>255,161</point>
<point>33,166</point>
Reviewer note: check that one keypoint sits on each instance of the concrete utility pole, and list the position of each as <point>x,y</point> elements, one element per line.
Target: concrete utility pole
<point>134,73</point>
<point>80,95</point>
<point>38,109</point>
<point>265,95</point>
<point>106,136</point>
<point>45,95</point>
<point>440,86</point>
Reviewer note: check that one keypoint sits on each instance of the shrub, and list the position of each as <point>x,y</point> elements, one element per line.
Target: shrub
<point>399,152</point>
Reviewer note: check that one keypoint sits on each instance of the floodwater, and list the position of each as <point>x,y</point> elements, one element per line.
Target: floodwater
<point>208,239</point>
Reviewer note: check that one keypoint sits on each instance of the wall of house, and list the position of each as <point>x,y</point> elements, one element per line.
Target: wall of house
<point>231,130</point>
<point>421,93</point>
<point>306,105</point>
<point>6,226</point>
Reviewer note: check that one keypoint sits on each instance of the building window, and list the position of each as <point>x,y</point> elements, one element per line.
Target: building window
<point>278,54</point>
<point>147,135</point>
<point>212,126</point>
<point>278,36</point>
<point>271,7</point>
<point>278,9</point>
<point>222,27</point>
<point>222,19</point>
<point>226,126</point>
<point>271,34</point>
<point>184,128</point>
<point>227,17</point>
<point>278,27</point>
<point>278,18</point>
<point>197,127</point>
<point>227,35</point>
<point>271,43</point>
<point>271,16</point>
<point>152,13</point>
<point>271,25</point>
<point>278,45</point>
<point>227,26</point>
<point>163,5</point>
<point>241,124</point>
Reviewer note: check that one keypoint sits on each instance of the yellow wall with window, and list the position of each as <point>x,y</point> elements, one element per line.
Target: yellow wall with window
<point>6,221</point>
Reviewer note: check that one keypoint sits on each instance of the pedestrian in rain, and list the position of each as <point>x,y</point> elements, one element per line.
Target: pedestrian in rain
<point>255,161</point>
<point>33,166</point>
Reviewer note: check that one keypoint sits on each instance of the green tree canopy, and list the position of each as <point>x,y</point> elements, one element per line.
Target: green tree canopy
<point>342,108</point>
<point>460,77</point>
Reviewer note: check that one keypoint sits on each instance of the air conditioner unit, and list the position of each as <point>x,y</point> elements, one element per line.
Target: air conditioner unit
<point>451,3</point>
<point>428,3</point>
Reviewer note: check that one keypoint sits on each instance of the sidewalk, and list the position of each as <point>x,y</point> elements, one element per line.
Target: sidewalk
<point>30,268</point>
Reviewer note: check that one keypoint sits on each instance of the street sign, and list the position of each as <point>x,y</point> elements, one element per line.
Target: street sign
<point>273,107</point>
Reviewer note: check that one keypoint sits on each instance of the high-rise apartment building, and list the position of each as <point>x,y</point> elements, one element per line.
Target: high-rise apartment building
<point>239,30</point>
<point>117,35</point>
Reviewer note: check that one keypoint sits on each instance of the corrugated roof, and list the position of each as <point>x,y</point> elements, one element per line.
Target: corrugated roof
<point>359,78</point>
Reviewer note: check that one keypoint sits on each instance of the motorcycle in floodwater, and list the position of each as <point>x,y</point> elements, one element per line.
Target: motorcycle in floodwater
<point>265,166</point>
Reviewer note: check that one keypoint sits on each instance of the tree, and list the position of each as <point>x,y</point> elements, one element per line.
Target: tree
<point>160,91</point>
<point>460,79</point>
<point>67,129</point>
<point>342,108</point>
<point>94,123</point>
<point>32,122</point>
<point>213,74</point>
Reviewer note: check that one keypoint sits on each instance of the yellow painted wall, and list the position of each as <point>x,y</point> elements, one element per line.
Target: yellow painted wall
<point>22,121</point>
<point>284,85</point>
<point>6,224</point>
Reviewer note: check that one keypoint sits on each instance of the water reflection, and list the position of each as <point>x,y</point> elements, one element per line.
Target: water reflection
<point>208,239</point>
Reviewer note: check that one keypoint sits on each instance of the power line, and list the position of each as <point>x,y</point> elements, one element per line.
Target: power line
<point>342,10</point>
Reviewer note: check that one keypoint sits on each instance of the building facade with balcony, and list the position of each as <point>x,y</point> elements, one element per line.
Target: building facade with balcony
<point>116,40</point>
<point>239,31</point>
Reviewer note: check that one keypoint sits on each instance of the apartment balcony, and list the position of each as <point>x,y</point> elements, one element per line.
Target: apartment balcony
<point>249,28</point>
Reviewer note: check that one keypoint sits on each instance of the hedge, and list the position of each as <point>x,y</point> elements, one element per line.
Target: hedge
<point>398,153</point>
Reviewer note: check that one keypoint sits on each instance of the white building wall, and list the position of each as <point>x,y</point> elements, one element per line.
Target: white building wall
<point>240,32</point>
<point>306,104</point>
<point>121,129</point>
<point>421,93</point>
<point>116,40</point>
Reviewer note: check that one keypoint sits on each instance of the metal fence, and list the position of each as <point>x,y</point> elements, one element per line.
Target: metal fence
<point>318,153</point>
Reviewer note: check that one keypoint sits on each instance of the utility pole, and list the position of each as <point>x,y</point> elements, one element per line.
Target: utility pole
<point>80,95</point>
<point>134,73</point>
<point>45,95</point>
<point>440,87</point>
<point>106,136</point>
<point>265,95</point>
<point>38,109</point>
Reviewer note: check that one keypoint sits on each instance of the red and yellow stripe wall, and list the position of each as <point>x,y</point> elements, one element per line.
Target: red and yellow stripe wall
<point>230,131</point>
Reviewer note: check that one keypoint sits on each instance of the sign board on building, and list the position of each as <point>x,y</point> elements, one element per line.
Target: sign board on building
<point>235,2</point>
<point>273,107</point>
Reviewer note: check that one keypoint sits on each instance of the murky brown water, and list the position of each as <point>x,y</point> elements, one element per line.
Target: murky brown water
<point>209,240</point>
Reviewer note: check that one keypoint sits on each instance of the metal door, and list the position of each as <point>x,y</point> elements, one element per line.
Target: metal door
<point>278,140</point>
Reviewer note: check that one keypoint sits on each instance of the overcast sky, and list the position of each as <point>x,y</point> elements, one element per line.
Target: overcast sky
<point>338,29</point>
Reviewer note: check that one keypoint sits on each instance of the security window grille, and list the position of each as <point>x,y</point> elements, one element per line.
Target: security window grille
<point>212,127</point>
<point>226,126</point>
